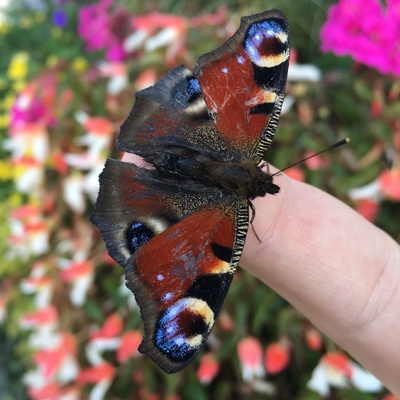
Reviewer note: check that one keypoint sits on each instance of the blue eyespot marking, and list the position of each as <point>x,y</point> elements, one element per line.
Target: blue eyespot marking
<point>168,337</point>
<point>182,328</point>
<point>264,39</point>
<point>137,235</point>
<point>193,87</point>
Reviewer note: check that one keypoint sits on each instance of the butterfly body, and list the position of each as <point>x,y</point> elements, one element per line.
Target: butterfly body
<point>178,227</point>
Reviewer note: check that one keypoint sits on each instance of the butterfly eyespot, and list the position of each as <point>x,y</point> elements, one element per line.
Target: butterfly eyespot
<point>137,235</point>
<point>267,43</point>
<point>193,88</point>
<point>183,327</point>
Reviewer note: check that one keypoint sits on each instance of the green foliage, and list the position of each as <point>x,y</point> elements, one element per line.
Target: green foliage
<point>339,105</point>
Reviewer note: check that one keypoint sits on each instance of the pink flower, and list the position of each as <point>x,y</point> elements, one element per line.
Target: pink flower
<point>80,275</point>
<point>389,182</point>
<point>156,30</point>
<point>103,29</point>
<point>313,339</point>
<point>104,339</point>
<point>118,74</point>
<point>46,391</point>
<point>112,327</point>
<point>390,397</point>
<point>366,31</point>
<point>337,370</point>
<point>295,173</point>
<point>29,174</point>
<point>146,79</point>
<point>3,305</point>
<point>59,360</point>
<point>28,140</point>
<point>100,375</point>
<point>45,316</point>
<point>128,346</point>
<point>250,356</point>
<point>40,284</point>
<point>29,232</point>
<point>34,104</point>
<point>208,369</point>
<point>368,208</point>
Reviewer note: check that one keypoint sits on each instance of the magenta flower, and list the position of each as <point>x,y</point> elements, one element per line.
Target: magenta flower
<point>104,29</point>
<point>365,30</point>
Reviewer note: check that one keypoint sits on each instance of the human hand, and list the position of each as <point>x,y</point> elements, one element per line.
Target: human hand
<point>339,270</point>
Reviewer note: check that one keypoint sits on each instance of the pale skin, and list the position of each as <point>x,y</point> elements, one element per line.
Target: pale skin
<point>339,270</point>
<point>335,267</point>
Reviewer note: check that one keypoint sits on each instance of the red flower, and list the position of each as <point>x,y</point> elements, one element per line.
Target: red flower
<point>368,209</point>
<point>208,369</point>
<point>111,328</point>
<point>128,346</point>
<point>102,372</point>
<point>389,182</point>
<point>277,356</point>
<point>295,173</point>
<point>48,391</point>
<point>390,397</point>
<point>313,339</point>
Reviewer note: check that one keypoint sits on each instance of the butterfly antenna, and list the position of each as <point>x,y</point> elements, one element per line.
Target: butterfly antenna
<point>340,143</point>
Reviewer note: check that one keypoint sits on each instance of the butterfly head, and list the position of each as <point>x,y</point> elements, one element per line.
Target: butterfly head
<point>245,179</point>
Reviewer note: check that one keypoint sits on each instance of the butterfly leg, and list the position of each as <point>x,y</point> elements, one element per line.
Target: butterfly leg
<point>253,215</point>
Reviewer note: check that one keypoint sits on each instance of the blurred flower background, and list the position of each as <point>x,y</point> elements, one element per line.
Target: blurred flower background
<point>69,329</point>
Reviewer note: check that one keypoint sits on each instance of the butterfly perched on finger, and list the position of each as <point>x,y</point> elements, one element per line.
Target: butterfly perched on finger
<point>178,228</point>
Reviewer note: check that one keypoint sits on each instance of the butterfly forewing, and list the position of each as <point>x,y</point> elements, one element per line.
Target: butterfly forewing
<point>243,82</point>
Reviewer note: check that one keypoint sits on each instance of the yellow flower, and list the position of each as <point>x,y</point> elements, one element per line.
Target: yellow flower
<point>15,200</point>
<point>52,60</point>
<point>8,101</point>
<point>26,22</point>
<point>79,64</point>
<point>6,171</point>
<point>18,86</point>
<point>4,27</point>
<point>4,121</point>
<point>18,67</point>
<point>56,33</point>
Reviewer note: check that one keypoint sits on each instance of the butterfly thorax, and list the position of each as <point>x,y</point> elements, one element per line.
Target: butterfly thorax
<point>244,179</point>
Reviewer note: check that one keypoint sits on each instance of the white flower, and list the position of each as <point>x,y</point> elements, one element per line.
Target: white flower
<point>371,191</point>
<point>336,370</point>
<point>74,193</point>
<point>364,380</point>
<point>304,73</point>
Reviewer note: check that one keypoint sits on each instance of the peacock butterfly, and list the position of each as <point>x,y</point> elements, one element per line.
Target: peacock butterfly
<point>178,227</point>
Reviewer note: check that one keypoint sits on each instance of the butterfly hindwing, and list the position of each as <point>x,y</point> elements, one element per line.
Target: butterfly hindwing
<point>179,248</point>
<point>180,296</point>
